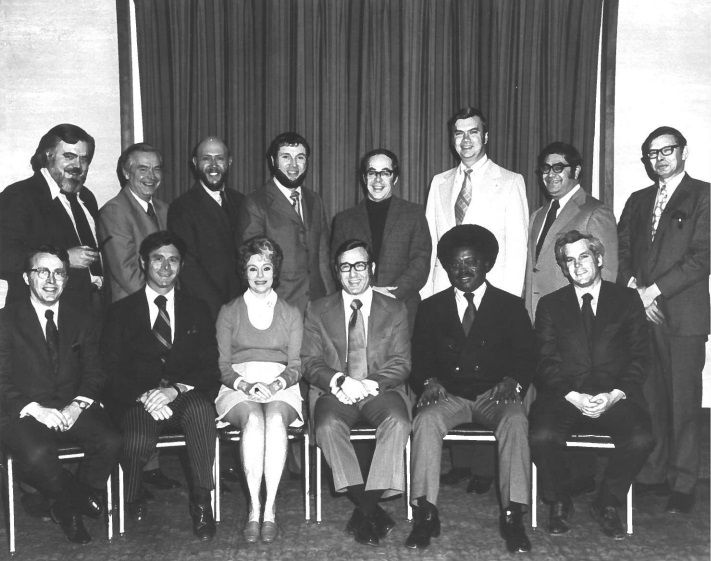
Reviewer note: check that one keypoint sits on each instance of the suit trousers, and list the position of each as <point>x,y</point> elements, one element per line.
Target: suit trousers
<point>673,390</point>
<point>34,447</point>
<point>554,419</point>
<point>510,426</point>
<point>388,413</point>
<point>194,414</point>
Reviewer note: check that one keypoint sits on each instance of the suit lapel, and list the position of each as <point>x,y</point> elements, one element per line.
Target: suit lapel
<point>681,193</point>
<point>394,213</point>
<point>307,208</point>
<point>450,317</point>
<point>68,329</point>
<point>31,330</point>
<point>605,312</point>
<point>277,201</point>
<point>212,211</point>
<point>570,302</point>
<point>449,193</point>
<point>334,321</point>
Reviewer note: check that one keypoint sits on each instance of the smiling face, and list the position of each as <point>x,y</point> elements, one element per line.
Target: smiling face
<point>379,187</point>
<point>163,268</point>
<point>144,172</point>
<point>260,274</point>
<point>290,164</point>
<point>212,161</point>
<point>467,268</point>
<point>560,184</point>
<point>666,167</point>
<point>68,165</point>
<point>46,291</point>
<point>470,140</point>
<point>355,282</point>
<point>583,267</point>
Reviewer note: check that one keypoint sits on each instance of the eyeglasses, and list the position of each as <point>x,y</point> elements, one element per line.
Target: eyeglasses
<point>666,151</point>
<point>43,274</point>
<point>557,168</point>
<point>360,266</point>
<point>383,174</point>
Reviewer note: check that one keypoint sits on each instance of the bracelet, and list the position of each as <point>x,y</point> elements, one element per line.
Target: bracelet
<point>82,404</point>
<point>176,388</point>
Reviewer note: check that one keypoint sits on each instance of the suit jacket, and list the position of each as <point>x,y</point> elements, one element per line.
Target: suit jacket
<point>305,271</point>
<point>30,218</point>
<point>500,343</point>
<point>406,249</point>
<point>582,212</point>
<point>124,219</point>
<point>132,355</point>
<point>504,211</point>
<point>678,258</point>
<point>618,356</point>
<point>324,348</point>
<point>212,235</point>
<point>26,373</point>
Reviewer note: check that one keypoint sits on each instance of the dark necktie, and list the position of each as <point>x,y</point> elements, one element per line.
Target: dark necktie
<point>357,362</point>
<point>86,236</point>
<point>587,316</point>
<point>152,213</point>
<point>295,203</point>
<point>223,199</point>
<point>550,218</point>
<point>464,198</point>
<point>52,335</point>
<point>161,327</point>
<point>469,313</point>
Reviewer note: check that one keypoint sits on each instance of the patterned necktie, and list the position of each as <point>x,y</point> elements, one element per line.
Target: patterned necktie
<point>86,236</point>
<point>464,198</point>
<point>152,213</point>
<point>52,335</point>
<point>550,218</point>
<point>659,208</point>
<point>357,362</point>
<point>588,316</point>
<point>161,327</point>
<point>296,203</point>
<point>469,313</point>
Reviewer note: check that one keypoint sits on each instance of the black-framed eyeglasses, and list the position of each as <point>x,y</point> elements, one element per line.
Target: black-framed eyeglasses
<point>43,273</point>
<point>383,173</point>
<point>666,151</point>
<point>359,266</point>
<point>557,168</point>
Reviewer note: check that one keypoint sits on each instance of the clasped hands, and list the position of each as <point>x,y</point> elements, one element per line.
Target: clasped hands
<point>259,391</point>
<point>55,419</point>
<point>592,405</point>
<point>156,401</point>
<point>352,390</point>
<point>649,294</point>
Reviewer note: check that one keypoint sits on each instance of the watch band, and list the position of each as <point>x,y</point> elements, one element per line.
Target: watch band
<point>82,404</point>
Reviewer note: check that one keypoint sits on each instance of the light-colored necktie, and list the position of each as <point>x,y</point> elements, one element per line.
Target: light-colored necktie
<point>357,361</point>
<point>296,203</point>
<point>464,198</point>
<point>659,208</point>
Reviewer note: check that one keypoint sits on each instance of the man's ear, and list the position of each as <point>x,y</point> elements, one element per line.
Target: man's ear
<point>26,278</point>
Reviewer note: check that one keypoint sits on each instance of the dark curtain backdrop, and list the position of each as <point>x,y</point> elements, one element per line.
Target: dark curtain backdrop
<point>355,75</point>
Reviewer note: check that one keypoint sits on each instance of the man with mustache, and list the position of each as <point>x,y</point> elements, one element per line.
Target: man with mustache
<point>206,219</point>
<point>54,208</point>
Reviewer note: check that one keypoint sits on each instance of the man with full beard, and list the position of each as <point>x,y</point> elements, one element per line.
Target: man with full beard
<point>206,217</point>
<point>54,208</point>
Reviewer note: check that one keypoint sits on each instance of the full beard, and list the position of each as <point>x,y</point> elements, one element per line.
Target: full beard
<point>207,182</point>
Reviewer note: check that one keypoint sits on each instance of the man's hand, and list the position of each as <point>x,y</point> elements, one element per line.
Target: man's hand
<point>434,392</point>
<point>580,400</point>
<point>342,397</point>
<point>600,403</point>
<point>162,414</point>
<point>386,290</point>
<point>81,256</point>
<point>505,391</point>
<point>371,386</point>
<point>157,398</point>
<point>50,417</point>
<point>654,314</point>
<point>354,389</point>
<point>648,294</point>
<point>71,413</point>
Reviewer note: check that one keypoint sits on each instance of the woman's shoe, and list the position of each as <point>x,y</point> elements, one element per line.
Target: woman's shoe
<point>270,531</point>
<point>251,531</point>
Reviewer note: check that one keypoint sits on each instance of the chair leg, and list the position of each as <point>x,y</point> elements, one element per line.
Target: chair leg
<point>11,502</point>
<point>408,483</point>
<point>307,477</point>
<point>318,485</point>
<point>534,496</point>
<point>629,511</point>
<point>110,508</point>
<point>216,491</point>
<point>122,502</point>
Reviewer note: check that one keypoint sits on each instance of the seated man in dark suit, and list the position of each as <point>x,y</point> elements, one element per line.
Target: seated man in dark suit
<point>471,360</point>
<point>50,381</point>
<point>160,353</point>
<point>594,352</point>
<point>358,374</point>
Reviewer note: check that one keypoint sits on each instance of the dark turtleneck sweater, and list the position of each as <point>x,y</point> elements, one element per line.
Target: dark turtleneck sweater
<point>377,214</point>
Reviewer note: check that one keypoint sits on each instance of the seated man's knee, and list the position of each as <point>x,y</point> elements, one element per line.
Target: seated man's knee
<point>543,437</point>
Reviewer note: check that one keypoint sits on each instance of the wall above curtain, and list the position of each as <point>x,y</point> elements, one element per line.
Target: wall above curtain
<point>355,75</point>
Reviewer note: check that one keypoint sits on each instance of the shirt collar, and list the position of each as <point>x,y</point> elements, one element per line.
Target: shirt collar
<point>366,299</point>
<point>673,183</point>
<point>54,189</point>
<point>251,300</point>
<point>594,290</point>
<point>152,295</point>
<point>215,195</point>
<point>144,204</point>
<point>569,195</point>
<point>478,295</point>
<point>41,309</point>
<point>285,190</point>
<point>475,168</point>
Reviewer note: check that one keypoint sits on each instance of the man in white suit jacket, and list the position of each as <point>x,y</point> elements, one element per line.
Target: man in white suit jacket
<point>497,202</point>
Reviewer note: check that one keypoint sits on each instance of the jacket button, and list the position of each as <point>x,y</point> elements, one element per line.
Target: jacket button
<point>456,368</point>
<point>476,368</point>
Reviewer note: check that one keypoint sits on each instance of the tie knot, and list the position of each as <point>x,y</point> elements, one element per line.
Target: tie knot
<point>468,173</point>
<point>356,305</point>
<point>469,297</point>
<point>587,298</point>
<point>294,195</point>
<point>160,301</point>
<point>555,204</point>
<point>49,314</point>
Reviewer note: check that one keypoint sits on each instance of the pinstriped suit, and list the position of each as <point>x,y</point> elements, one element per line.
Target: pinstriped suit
<point>132,359</point>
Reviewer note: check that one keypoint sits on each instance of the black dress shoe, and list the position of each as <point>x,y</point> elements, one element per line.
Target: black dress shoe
<point>479,484</point>
<point>92,504</point>
<point>203,520</point>
<point>646,489</point>
<point>36,506</point>
<point>362,528</point>
<point>137,510</point>
<point>680,503</point>
<point>582,486</point>
<point>454,476</point>
<point>159,480</point>
<point>384,524</point>
<point>609,519</point>
<point>71,524</point>
<point>425,527</point>
<point>561,513</point>
<point>512,530</point>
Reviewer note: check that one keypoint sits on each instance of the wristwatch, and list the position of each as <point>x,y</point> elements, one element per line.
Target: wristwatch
<point>82,404</point>
<point>340,380</point>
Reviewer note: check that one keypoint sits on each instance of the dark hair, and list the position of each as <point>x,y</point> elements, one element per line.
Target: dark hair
<point>365,161</point>
<point>565,238</point>
<point>466,113</point>
<point>568,151</point>
<point>159,239</point>
<point>347,246</point>
<point>71,134</point>
<point>259,245</point>
<point>472,236</point>
<point>285,139</point>
<point>661,131</point>
<point>58,252</point>
<point>122,164</point>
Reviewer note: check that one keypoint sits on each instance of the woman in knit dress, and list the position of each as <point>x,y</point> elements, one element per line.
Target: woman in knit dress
<point>259,338</point>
